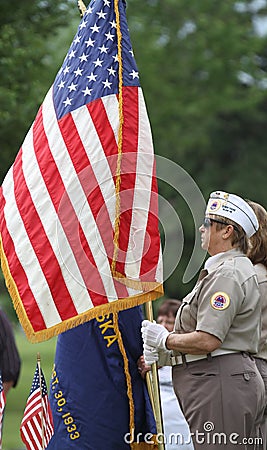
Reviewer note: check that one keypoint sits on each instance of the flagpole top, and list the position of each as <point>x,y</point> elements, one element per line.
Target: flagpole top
<point>81,7</point>
<point>38,357</point>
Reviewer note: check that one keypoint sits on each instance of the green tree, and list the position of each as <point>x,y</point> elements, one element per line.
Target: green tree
<point>203,71</point>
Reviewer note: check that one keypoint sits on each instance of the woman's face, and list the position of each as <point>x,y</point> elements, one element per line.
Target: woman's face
<point>167,321</point>
<point>211,237</point>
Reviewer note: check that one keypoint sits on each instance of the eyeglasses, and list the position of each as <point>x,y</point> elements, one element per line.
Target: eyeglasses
<point>208,222</point>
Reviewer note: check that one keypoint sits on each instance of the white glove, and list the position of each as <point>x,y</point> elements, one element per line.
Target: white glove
<point>154,335</point>
<point>150,354</point>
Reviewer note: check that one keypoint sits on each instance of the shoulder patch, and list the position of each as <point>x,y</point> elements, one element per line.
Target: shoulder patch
<point>220,301</point>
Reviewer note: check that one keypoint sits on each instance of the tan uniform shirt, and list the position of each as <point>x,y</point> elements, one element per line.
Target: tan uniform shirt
<point>261,272</point>
<point>225,303</point>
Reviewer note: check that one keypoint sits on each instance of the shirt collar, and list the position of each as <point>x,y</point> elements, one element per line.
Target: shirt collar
<point>215,261</point>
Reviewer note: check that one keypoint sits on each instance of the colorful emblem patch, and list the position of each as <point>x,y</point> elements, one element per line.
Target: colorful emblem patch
<point>220,301</point>
<point>215,205</point>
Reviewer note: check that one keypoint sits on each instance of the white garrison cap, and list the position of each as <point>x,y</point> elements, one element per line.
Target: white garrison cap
<point>235,208</point>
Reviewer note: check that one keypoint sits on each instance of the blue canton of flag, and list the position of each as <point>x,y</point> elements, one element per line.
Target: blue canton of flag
<point>91,65</point>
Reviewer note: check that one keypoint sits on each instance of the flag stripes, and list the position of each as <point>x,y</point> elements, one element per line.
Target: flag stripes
<point>37,427</point>
<point>59,200</point>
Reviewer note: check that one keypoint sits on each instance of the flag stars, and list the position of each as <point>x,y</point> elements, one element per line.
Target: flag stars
<point>77,40</point>
<point>134,74</point>
<point>101,14</point>
<point>90,43</point>
<point>72,87</point>
<point>98,63</point>
<point>87,91</point>
<point>67,102</point>
<point>113,24</point>
<point>111,71</point>
<point>103,49</point>
<point>107,84</point>
<point>107,3</point>
<point>83,24</point>
<point>83,57</point>
<point>72,54</point>
<point>116,58</point>
<point>95,28</point>
<point>66,70</point>
<point>91,77</point>
<point>131,52</point>
<point>61,84</point>
<point>78,72</point>
<point>109,36</point>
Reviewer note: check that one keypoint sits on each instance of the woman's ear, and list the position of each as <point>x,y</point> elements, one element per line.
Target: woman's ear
<point>227,231</point>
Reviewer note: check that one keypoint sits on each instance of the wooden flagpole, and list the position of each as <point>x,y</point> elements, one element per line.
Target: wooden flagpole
<point>42,410</point>
<point>156,403</point>
<point>152,383</point>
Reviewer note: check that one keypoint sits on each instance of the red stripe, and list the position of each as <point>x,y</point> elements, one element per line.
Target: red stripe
<point>20,278</point>
<point>41,245</point>
<point>104,131</point>
<point>67,215</point>
<point>152,240</point>
<point>128,169</point>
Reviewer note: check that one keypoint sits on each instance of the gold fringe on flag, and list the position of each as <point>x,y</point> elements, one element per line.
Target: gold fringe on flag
<point>152,292</point>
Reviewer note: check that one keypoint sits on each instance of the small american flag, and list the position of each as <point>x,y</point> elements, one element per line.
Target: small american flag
<point>2,407</point>
<point>59,201</point>
<point>37,428</point>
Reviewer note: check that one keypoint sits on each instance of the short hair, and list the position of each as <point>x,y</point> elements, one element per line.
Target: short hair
<point>257,251</point>
<point>169,306</point>
<point>239,237</point>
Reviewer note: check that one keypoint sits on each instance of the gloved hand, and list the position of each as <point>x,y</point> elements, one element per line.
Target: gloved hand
<point>150,354</point>
<point>154,335</point>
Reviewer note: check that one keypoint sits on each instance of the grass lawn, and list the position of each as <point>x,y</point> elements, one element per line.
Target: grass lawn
<point>16,398</point>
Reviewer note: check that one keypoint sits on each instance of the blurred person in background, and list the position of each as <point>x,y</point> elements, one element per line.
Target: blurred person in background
<point>257,253</point>
<point>216,334</point>
<point>9,356</point>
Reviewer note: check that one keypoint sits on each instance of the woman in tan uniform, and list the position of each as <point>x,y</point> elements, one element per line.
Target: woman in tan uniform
<point>216,331</point>
<point>257,253</point>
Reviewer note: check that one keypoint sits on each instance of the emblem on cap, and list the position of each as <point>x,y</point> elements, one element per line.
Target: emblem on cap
<point>214,205</point>
<point>220,301</point>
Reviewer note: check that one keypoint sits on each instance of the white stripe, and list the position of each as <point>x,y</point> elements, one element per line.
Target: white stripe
<point>77,195</point>
<point>27,256</point>
<point>142,193</point>
<point>96,156</point>
<point>111,105</point>
<point>159,270</point>
<point>49,219</point>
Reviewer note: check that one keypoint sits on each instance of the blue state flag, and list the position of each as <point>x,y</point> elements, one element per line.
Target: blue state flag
<point>88,391</point>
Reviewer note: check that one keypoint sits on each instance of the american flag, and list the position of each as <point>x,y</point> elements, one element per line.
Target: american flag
<point>2,407</point>
<point>79,206</point>
<point>37,428</point>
